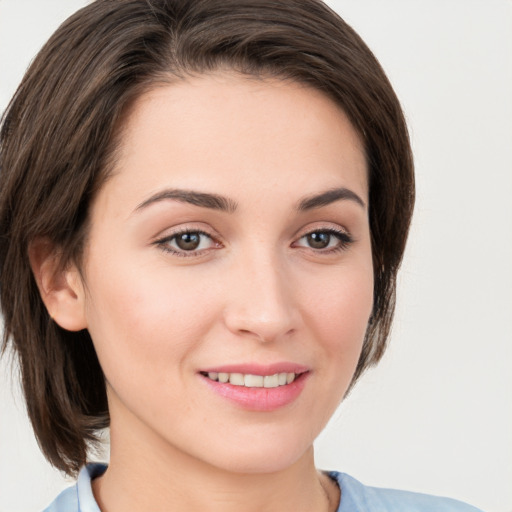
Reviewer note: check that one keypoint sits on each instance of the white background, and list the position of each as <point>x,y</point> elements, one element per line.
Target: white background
<point>436,415</point>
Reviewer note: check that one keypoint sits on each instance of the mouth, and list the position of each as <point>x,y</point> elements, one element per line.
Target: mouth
<point>249,380</point>
<point>258,388</point>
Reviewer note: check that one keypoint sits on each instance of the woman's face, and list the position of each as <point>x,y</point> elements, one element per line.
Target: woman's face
<point>231,243</point>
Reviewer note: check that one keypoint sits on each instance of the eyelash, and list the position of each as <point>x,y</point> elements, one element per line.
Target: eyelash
<point>344,241</point>
<point>163,243</point>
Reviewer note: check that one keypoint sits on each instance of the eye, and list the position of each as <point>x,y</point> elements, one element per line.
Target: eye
<point>185,242</point>
<point>325,240</point>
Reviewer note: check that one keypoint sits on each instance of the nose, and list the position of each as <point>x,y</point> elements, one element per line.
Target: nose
<point>261,304</point>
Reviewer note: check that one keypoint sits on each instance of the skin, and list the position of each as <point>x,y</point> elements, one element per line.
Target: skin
<point>255,291</point>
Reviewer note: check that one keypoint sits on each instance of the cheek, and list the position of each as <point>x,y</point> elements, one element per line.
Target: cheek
<point>145,320</point>
<point>342,307</point>
<point>336,317</point>
<point>339,316</point>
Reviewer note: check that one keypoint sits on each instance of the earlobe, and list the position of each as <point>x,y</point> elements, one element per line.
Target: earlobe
<point>61,290</point>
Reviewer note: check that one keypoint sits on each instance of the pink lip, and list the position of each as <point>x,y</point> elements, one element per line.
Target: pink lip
<point>259,399</point>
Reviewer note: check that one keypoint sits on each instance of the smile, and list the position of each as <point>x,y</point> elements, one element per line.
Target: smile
<point>252,381</point>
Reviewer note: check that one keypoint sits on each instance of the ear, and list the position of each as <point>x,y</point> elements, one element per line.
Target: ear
<point>62,291</point>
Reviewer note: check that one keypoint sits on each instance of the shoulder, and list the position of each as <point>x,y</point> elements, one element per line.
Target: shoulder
<point>67,500</point>
<point>79,498</point>
<point>357,497</point>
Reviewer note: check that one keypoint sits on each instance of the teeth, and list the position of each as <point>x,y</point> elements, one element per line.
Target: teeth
<point>271,381</point>
<point>237,379</point>
<point>253,381</point>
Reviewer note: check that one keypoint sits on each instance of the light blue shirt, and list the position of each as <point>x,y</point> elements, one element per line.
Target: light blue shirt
<point>355,497</point>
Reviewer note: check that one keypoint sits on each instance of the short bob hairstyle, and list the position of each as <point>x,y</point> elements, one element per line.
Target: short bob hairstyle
<point>58,142</point>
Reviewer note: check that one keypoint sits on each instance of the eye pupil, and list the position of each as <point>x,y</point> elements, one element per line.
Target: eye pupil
<point>188,241</point>
<point>319,240</point>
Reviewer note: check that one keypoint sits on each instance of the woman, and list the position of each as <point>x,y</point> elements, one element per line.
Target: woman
<point>203,208</point>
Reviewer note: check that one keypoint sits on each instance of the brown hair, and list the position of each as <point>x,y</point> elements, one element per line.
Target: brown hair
<point>58,139</point>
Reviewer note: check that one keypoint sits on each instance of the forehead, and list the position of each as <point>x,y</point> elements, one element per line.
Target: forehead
<point>226,130</point>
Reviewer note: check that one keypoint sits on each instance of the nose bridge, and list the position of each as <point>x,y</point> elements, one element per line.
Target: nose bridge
<point>261,303</point>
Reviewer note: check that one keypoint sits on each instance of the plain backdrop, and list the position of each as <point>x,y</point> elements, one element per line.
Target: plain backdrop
<point>436,415</point>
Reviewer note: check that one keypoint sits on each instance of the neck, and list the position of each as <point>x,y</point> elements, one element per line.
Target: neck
<point>161,478</point>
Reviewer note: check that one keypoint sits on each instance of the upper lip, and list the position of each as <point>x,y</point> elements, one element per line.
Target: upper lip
<point>258,369</point>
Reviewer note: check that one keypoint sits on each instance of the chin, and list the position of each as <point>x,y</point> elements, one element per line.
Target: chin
<point>264,457</point>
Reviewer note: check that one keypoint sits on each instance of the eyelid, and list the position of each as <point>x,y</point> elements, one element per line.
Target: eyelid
<point>322,226</point>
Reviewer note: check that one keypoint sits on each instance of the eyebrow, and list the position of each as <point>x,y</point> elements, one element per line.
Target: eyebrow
<point>328,197</point>
<point>225,204</point>
<point>202,199</point>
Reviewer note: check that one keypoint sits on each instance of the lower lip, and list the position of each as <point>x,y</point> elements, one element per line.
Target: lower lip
<point>259,399</point>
